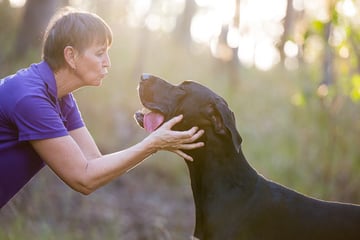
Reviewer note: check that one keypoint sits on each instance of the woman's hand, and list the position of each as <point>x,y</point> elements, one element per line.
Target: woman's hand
<point>166,139</point>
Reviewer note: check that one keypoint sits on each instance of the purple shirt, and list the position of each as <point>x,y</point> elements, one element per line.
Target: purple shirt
<point>30,110</point>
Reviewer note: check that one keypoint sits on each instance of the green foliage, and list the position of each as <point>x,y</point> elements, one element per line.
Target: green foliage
<point>355,90</point>
<point>318,27</point>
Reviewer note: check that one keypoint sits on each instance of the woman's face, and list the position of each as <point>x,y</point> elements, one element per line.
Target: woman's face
<point>92,65</point>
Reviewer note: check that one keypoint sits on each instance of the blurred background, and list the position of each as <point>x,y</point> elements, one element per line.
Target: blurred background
<point>289,69</point>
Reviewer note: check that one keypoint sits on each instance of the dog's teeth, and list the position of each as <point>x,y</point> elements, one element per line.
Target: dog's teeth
<point>145,110</point>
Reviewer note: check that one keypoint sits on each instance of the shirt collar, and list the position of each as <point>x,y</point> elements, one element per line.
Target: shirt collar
<point>47,75</point>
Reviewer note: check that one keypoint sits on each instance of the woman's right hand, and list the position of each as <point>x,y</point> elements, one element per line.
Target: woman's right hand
<point>166,139</point>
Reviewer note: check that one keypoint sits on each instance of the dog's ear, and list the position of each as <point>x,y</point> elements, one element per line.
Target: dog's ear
<point>223,121</point>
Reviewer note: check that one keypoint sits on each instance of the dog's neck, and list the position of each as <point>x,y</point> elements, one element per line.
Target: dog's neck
<point>215,171</point>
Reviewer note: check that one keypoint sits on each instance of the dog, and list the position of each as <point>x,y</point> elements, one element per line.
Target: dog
<point>232,201</point>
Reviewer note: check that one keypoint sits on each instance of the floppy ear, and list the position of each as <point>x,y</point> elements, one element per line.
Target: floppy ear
<point>223,121</point>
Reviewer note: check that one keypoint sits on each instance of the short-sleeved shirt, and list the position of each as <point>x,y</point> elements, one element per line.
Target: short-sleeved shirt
<point>30,110</point>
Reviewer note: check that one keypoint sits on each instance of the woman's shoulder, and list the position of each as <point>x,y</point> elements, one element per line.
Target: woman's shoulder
<point>27,79</point>
<point>24,83</point>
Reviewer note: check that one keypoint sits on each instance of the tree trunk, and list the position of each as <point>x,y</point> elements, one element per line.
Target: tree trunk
<point>182,31</point>
<point>37,14</point>
<point>288,24</point>
<point>328,74</point>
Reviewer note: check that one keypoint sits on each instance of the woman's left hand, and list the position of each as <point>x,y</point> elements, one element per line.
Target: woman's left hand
<point>166,139</point>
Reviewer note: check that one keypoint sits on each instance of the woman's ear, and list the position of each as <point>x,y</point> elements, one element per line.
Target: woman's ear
<point>70,56</point>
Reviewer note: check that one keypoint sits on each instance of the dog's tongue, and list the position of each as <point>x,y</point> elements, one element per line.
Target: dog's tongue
<point>152,121</point>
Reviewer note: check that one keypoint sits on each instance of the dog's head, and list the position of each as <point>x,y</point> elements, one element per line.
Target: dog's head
<point>198,104</point>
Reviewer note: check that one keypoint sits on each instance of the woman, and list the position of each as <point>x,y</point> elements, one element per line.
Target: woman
<point>41,124</point>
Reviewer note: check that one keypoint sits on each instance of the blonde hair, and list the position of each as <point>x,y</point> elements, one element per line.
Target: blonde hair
<point>70,27</point>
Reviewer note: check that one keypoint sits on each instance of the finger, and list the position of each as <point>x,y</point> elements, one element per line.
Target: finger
<point>191,131</point>
<point>183,155</point>
<point>194,137</point>
<point>190,146</point>
<point>187,135</point>
<point>169,124</point>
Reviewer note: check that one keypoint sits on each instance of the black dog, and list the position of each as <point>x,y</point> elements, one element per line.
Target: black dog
<point>232,200</point>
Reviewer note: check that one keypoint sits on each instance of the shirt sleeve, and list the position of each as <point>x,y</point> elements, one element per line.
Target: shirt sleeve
<point>36,117</point>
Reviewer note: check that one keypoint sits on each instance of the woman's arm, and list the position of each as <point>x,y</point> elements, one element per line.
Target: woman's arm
<point>86,143</point>
<point>78,162</point>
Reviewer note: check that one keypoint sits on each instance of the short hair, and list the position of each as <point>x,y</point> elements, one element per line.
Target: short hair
<point>70,27</point>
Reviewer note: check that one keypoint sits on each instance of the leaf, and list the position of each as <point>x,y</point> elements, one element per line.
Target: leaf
<point>318,26</point>
<point>298,99</point>
<point>355,91</point>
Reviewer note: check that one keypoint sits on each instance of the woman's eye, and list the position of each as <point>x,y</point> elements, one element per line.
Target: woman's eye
<point>99,54</point>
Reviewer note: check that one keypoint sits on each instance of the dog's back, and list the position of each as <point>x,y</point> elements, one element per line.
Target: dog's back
<point>281,213</point>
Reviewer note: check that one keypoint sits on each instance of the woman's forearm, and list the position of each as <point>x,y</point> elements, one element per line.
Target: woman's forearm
<point>100,171</point>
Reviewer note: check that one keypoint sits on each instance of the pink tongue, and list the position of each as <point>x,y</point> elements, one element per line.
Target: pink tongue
<point>152,121</point>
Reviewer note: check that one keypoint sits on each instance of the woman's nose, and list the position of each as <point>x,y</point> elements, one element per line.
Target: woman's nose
<point>107,61</point>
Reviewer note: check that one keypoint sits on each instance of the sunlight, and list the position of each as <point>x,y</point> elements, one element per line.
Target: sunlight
<point>156,23</point>
<point>291,49</point>
<point>269,11</point>
<point>224,9</point>
<point>155,15</point>
<point>141,7</point>
<point>298,5</point>
<point>137,11</point>
<point>347,7</point>
<point>313,49</point>
<point>317,9</point>
<point>255,39</point>
<point>153,22</point>
<point>344,52</point>
<point>233,37</point>
<point>245,50</point>
<point>260,28</point>
<point>260,25</point>
<point>338,36</point>
<point>266,55</point>
<point>17,3</point>
<point>205,25</point>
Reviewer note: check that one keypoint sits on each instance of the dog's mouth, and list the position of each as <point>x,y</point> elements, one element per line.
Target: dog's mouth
<point>149,120</point>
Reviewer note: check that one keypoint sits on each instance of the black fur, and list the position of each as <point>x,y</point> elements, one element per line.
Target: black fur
<point>234,202</point>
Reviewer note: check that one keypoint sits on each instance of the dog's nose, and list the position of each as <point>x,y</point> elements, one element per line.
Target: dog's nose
<point>145,76</point>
